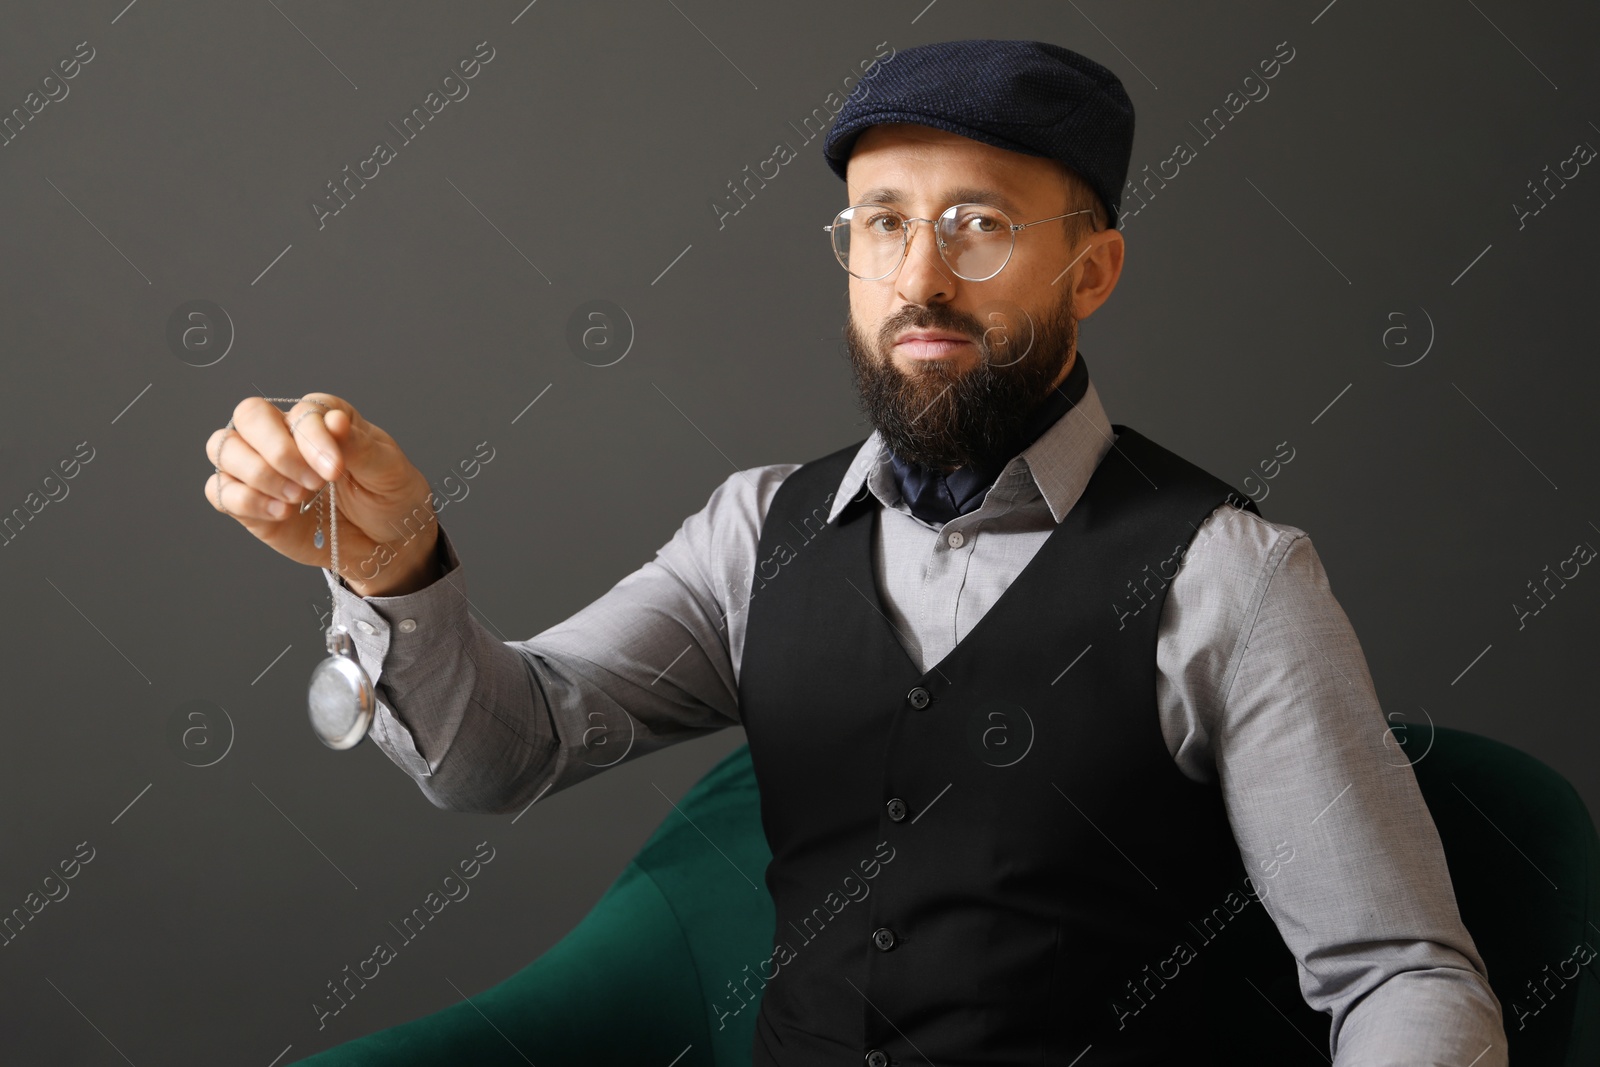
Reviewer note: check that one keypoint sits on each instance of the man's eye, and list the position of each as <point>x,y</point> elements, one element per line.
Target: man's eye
<point>883,223</point>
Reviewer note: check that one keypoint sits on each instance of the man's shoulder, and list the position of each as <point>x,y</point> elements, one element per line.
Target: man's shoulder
<point>730,521</point>
<point>749,492</point>
<point>720,542</point>
<point>1234,556</point>
<point>1155,460</point>
<point>1234,532</point>
<point>1227,569</point>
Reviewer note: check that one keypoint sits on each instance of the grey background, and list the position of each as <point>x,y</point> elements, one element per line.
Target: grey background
<point>1382,166</point>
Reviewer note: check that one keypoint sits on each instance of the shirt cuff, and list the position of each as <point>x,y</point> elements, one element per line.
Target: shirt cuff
<point>392,631</point>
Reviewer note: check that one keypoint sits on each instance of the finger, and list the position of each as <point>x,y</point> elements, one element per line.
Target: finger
<point>314,438</point>
<point>265,430</point>
<point>230,452</point>
<point>354,444</point>
<point>233,497</point>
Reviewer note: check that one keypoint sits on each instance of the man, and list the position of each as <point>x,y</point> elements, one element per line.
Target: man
<point>1051,681</point>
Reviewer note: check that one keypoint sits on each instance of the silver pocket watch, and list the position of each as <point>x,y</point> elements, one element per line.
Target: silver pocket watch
<point>340,699</point>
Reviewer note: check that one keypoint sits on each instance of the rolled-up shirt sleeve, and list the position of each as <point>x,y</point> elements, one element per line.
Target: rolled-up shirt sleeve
<point>488,725</point>
<point>1327,812</point>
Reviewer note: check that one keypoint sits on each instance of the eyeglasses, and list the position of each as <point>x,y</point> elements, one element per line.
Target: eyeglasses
<point>974,240</point>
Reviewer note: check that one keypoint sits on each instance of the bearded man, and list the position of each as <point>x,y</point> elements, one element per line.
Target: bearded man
<point>1050,682</point>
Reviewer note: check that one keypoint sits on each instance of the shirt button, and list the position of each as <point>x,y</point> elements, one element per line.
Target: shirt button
<point>365,627</point>
<point>897,809</point>
<point>883,937</point>
<point>955,540</point>
<point>407,625</point>
<point>919,697</point>
<point>877,1058</point>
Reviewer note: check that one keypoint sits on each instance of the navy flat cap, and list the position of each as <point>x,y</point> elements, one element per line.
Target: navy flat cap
<point>1026,96</point>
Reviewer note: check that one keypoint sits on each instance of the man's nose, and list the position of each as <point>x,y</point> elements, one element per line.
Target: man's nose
<point>924,277</point>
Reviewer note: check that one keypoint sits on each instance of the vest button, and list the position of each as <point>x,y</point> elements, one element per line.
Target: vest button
<point>883,937</point>
<point>876,1058</point>
<point>919,697</point>
<point>897,809</point>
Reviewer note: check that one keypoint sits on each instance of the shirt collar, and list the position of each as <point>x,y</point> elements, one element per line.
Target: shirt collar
<point>1056,466</point>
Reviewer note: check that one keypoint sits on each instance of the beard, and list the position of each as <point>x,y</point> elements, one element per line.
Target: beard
<point>944,418</point>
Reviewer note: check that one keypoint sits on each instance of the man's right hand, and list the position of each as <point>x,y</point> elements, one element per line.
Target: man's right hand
<point>387,527</point>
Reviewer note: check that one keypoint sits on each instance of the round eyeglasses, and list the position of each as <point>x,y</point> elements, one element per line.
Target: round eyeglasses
<point>974,240</point>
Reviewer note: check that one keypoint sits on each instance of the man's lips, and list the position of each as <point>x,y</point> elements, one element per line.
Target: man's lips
<point>930,344</point>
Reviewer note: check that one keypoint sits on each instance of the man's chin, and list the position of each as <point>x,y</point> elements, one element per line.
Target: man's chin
<point>941,367</point>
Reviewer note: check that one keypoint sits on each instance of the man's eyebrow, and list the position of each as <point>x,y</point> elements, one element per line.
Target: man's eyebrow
<point>966,194</point>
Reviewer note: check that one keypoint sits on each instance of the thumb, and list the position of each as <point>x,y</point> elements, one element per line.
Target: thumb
<point>351,445</point>
<point>358,449</point>
<point>339,425</point>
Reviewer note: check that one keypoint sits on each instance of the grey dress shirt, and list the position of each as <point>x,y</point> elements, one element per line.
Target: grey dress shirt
<point>1261,687</point>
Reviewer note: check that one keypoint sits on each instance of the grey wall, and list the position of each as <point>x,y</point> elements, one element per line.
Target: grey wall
<point>1361,214</point>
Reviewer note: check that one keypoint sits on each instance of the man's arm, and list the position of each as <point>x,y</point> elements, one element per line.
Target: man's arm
<point>1326,810</point>
<point>488,725</point>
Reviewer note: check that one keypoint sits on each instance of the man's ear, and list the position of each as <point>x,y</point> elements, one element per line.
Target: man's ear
<point>1109,258</point>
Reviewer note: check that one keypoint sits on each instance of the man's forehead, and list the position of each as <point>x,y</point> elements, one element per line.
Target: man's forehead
<point>893,162</point>
<point>944,194</point>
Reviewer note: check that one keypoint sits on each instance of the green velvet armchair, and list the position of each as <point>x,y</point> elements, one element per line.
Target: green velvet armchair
<point>668,943</point>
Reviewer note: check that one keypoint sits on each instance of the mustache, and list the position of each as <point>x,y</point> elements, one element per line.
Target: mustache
<point>1004,333</point>
<point>934,317</point>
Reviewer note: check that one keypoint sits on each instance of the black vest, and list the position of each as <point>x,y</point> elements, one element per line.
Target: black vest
<point>992,861</point>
